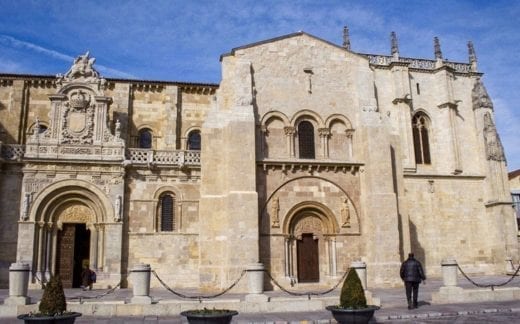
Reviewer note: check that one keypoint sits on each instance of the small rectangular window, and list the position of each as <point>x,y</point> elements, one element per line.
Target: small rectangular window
<point>418,88</point>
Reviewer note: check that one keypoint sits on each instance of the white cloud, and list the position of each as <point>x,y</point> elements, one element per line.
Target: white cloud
<point>12,42</point>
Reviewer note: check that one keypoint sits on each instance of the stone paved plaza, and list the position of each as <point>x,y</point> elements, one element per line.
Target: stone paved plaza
<point>393,307</point>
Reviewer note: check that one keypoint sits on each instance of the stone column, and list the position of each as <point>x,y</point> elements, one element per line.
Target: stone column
<point>140,276</point>
<point>93,247</point>
<point>54,249</point>
<point>289,133</point>
<point>287,253</point>
<point>449,272</point>
<point>39,267</point>
<point>101,247</point>
<point>361,269</point>
<point>333,265</point>
<point>48,245</point>
<point>324,135</point>
<point>18,284</point>
<point>350,142</point>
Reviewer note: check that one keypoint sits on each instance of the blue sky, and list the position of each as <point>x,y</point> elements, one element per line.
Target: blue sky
<point>182,40</point>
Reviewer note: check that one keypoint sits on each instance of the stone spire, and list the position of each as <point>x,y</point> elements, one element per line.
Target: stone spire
<point>437,48</point>
<point>394,45</point>
<point>472,56</point>
<point>346,38</point>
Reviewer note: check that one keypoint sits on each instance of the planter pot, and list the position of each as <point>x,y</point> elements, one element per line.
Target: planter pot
<point>67,318</point>
<point>209,317</point>
<point>358,316</point>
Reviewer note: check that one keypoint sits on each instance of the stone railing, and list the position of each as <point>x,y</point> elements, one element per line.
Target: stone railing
<point>16,152</point>
<point>422,64</point>
<point>155,157</point>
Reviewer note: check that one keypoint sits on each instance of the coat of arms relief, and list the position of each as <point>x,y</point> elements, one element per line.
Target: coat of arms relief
<point>78,119</point>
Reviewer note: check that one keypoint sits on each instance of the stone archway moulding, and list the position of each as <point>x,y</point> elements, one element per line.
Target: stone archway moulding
<point>310,209</point>
<point>262,211</point>
<point>67,192</point>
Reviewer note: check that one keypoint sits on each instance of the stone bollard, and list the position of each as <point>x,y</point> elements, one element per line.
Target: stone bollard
<point>18,284</point>
<point>140,276</point>
<point>361,269</point>
<point>255,278</point>
<point>255,283</point>
<point>449,272</point>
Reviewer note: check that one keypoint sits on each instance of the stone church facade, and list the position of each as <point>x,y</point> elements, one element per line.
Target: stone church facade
<point>306,157</point>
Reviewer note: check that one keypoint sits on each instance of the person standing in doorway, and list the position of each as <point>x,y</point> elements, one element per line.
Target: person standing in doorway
<point>412,274</point>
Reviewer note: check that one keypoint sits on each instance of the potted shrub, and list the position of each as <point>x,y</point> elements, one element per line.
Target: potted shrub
<point>53,307</point>
<point>209,316</point>
<point>353,306</point>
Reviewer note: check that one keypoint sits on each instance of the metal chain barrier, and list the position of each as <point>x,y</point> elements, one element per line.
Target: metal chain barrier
<point>309,293</point>
<point>108,292</point>
<point>199,297</point>
<point>492,286</point>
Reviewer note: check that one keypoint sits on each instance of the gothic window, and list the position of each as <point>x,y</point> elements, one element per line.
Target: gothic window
<point>421,139</point>
<point>194,140</point>
<point>166,212</point>
<point>306,140</point>
<point>145,138</point>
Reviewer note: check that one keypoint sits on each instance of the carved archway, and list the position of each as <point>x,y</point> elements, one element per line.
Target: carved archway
<point>309,249</point>
<point>62,211</point>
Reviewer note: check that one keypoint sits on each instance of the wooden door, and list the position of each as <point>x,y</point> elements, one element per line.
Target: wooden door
<point>308,261</point>
<point>65,254</point>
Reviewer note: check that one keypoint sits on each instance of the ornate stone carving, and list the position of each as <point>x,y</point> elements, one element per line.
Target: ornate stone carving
<point>76,214</point>
<point>289,130</point>
<point>480,97</point>
<point>78,119</point>
<point>309,224</point>
<point>117,208</point>
<point>324,132</point>
<point>83,67</point>
<point>275,208</point>
<point>345,213</point>
<point>27,199</point>
<point>494,148</point>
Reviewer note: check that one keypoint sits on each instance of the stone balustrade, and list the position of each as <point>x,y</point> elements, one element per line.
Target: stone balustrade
<point>16,152</point>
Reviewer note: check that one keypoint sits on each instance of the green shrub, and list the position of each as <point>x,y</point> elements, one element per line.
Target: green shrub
<point>352,293</point>
<point>53,299</point>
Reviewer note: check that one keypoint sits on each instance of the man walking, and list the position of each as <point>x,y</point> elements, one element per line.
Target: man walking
<point>412,274</point>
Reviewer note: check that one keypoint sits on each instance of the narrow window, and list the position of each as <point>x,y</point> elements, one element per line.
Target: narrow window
<point>145,138</point>
<point>421,139</point>
<point>167,212</point>
<point>194,140</point>
<point>306,140</point>
<point>418,88</point>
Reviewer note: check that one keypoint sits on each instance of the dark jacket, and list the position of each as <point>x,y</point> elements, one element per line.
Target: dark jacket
<point>412,271</point>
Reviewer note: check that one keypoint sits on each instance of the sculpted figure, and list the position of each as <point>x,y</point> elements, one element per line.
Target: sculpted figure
<point>345,213</point>
<point>26,205</point>
<point>274,212</point>
<point>117,216</point>
<point>82,67</point>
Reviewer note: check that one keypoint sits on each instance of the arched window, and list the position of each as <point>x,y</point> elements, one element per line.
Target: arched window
<point>420,139</point>
<point>194,140</point>
<point>145,138</point>
<point>166,212</point>
<point>306,140</point>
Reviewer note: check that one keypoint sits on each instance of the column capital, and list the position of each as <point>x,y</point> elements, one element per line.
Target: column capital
<point>289,130</point>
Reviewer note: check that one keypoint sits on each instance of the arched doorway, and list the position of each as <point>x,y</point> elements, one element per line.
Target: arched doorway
<point>310,249</point>
<point>73,248</point>
<point>72,253</point>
